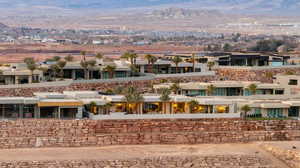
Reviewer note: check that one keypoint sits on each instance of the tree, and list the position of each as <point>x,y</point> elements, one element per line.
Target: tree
<point>245,109</point>
<point>61,64</point>
<point>91,66</point>
<point>165,97</point>
<point>210,90</point>
<point>111,70</point>
<point>252,88</point>
<point>175,88</point>
<point>99,56</point>
<point>93,107</point>
<point>269,75</point>
<point>83,54</point>
<point>29,60</point>
<point>193,61</point>
<point>176,60</point>
<point>69,58</point>
<point>289,73</point>
<point>134,70</point>
<point>210,65</point>
<point>31,65</point>
<point>85,65</point>
<point>193,104</point>
<point>131,56</point>
<point>132,96</point>
<point>267,45</point>
<point>151,60</point>
<point>227,47</point>
<point>56,58</point>
<point>54,69</point>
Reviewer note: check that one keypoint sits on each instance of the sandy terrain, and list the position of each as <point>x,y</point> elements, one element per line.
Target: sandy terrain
<point>128,152</point>
<point>16,53</point>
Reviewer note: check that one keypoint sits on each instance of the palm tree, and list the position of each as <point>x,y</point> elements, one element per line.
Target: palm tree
<point>193,104</point>
<point>175,88</point>
<point>176,61</point>
<point>193,61</point>
<point>269,75</point>
<point>252,88</point>
<point>111,70</point>
<point>107,107</point>
<point>91,66</point>
<point>132,96</point>
<point>165,98</point>
<point>130,55</point>
<point>93,107</point>
<point>31,65</point>
<point>245,109</point>
<point>134,70</point>
<point>85,65</point>
<point>54,69</point>
<point>99,56</point>
<point>29,60</point>
<point>61,64</point>
<point>290,73</point>
<point>69,58</point>
<point>56,58</point>
<point>83,54</point>
<point>210,65</point>
<point>210,90</point>
<point>151,60</point>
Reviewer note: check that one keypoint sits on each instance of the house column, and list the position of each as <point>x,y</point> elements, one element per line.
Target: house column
<point>169,109</point>
<point>213,109</point>
<point>142,69</point>
<point>79,113</point>
<point>30,79</point>
<point>58,112</point>
<point>21,111</point>
<point>187,108</point>
<point>37,112</point>
<point>141,108</point>
<point>74,74</point>
<point>16,79</point>
<point>231,108</point>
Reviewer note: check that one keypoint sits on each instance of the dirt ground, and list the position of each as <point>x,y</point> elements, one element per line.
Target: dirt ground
<point>144,151</point>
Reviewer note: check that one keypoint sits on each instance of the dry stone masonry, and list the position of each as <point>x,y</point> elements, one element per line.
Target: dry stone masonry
<point>79,133</point>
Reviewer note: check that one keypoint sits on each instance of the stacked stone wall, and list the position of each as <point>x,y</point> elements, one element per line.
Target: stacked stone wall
<point>80,133</point>
<point>159,162</point>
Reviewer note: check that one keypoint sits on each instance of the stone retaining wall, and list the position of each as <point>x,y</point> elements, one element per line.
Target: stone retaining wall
<point>159,162</point>
<point>79,133</point>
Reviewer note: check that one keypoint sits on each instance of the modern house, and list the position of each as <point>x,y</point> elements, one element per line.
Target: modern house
<point>224,88</point>
<point>243,59</point>
<point>18,74</point>
<point>163,66</point>
<point>79,104</point>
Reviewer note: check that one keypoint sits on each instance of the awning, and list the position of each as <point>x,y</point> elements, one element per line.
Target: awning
<point>274,105</point>
<point>60,103</point>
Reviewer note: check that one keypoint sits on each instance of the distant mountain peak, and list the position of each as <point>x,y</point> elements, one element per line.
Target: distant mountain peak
<point>178,13</point>
<point>3,26</point>
<point>242,6</point>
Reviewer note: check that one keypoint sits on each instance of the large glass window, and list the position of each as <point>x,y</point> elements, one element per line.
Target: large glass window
<point>28,111</point>
<point>220,92</point>
<point>293,82</point>
<point>275,113</point>
<point>294,112</point>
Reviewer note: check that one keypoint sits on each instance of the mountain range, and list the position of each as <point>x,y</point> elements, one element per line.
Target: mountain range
<point>244,6</point>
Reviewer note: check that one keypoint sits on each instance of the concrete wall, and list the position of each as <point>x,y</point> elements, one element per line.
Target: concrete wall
<point>78,133</point>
